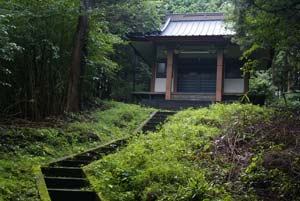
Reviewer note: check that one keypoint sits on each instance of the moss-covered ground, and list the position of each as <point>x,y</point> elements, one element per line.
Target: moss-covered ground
<point>225,152</point>
<point>22,149</point>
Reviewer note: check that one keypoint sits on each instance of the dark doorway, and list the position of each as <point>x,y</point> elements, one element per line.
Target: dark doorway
<point>197,76</point>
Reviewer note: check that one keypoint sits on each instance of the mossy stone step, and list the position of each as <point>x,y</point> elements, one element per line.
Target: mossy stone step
<point>71,163</point>
<point>65,178</point>
<point>110,148</point>
<point>87,157</point>
<point>148,127</point>
<point>72,195</point>
<point>159,117</point>
<point>105,150</point>
<point>74,172</point>
<point>156,120</point>
<point>66,183</point>
<point>166,113</point>
<point>154,123</point>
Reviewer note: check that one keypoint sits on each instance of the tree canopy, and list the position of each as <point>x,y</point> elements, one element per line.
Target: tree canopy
<point>271,27</point>
<point>195,6</point>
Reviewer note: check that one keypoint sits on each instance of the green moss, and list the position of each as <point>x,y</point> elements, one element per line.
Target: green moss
<point>41,185</point>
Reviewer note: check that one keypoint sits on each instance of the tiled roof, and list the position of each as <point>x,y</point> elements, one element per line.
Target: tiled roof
<point>202,24</point>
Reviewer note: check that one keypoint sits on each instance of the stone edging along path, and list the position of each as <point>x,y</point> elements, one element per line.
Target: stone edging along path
<point>64,179</point>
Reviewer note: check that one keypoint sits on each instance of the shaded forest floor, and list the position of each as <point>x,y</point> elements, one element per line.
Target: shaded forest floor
<point>25,145</point>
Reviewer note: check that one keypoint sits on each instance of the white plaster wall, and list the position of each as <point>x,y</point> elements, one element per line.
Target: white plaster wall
<point>234,86</point>
<point>160,85</point>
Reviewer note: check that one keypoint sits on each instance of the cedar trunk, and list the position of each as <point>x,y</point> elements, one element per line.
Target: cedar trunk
<point>77,66</point>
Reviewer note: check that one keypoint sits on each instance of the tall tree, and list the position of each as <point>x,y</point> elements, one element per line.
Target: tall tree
<point>268,32</point>
<point>78,59</point>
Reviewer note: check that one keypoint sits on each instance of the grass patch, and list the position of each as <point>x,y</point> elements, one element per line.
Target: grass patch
<point>225,152</point>
<point>21,149</point>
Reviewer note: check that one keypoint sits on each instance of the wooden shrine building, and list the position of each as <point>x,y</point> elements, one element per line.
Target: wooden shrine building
<point>192,58</point>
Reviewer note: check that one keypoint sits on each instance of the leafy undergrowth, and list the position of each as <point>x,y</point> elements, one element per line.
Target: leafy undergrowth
<point>23,148</point>
<point>226,152</point>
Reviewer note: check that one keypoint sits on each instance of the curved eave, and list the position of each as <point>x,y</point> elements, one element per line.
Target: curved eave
<point>166,24</point>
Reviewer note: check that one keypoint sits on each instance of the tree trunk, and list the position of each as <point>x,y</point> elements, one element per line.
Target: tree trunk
<point>271,64</point>
<point>77,65</point>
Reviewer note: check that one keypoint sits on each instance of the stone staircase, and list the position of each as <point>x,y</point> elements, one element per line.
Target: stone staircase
<point>158,119</point>
<point>65,179</point>
<point>175,105</point>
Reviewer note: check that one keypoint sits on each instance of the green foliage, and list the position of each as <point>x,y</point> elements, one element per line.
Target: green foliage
<point>23,148</point>
<point>101,69</point>
<point>118,121</point>
<point>39,36</point>
<point>17,180</point>
<point>130,15</point>
<point>290,101</point>
<point>177,163</point>
<point>260,84</point>
<point>121,18</point>
<point>7,49</point>
<point>268,33</point>
<point>226,152</point>
<point>36,41</point>
<point>195,6</point>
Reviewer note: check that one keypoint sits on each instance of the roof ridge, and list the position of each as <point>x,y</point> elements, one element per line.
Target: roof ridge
<point>197,14</point>
<point>196,24</point>
<point>195,17</point>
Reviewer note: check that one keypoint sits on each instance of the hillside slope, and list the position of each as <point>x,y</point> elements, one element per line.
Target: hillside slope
<point>23,149</point>
<point>226,152</point>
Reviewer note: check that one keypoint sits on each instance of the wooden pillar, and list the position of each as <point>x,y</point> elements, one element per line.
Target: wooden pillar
<point>134,71</point>
<point>169,74</point>
<point>219,84</point>
<point>153,75</point>
<point>175,78</point>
